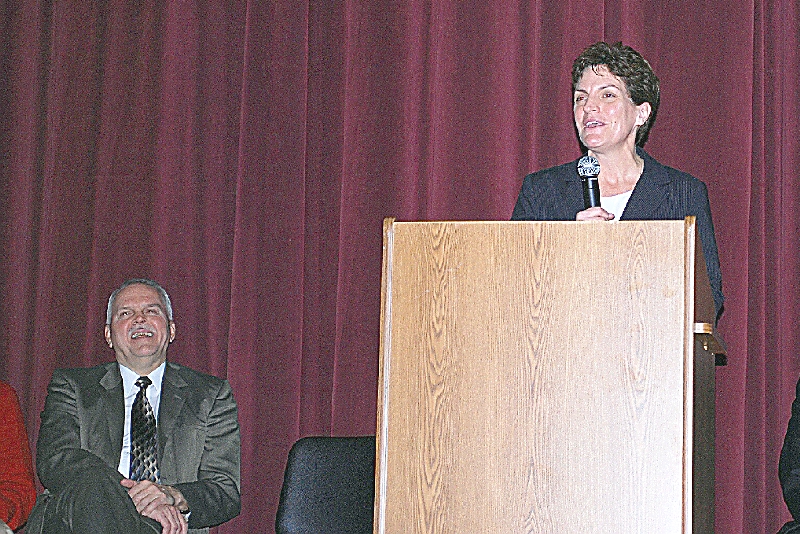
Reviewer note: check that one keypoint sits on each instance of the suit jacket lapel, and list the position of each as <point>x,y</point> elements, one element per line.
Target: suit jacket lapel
<point>650,191</point>
<point>113,400</point>
<point>171,404</point>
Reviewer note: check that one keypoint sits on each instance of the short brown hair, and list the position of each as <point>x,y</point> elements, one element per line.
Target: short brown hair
<point>629,66</point>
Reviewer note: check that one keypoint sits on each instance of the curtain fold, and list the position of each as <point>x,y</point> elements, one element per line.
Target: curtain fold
<point>245,154</point>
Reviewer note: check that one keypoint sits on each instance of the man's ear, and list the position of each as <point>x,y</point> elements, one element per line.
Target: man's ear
<point>171,331</point>
<point>107,335</point>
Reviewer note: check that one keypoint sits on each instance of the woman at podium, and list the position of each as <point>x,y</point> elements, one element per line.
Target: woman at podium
<point>615,100</point>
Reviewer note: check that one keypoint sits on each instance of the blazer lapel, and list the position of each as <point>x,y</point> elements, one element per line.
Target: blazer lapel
<point>171,404</point>
<point>113,400</point>
<point>650,191</point>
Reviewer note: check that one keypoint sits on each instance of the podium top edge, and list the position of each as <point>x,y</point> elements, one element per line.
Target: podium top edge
<point>391,222</point>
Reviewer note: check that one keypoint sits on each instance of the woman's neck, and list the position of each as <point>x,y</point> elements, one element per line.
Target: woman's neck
<point>619,172</point>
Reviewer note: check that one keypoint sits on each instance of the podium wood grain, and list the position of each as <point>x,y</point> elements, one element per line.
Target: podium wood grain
<point>533,378</point>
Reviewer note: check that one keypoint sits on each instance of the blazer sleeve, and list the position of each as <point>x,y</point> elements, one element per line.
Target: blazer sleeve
<point>701,207</point>
<point>215,496</point>
<point>528,205</point>
<point>17,486</point>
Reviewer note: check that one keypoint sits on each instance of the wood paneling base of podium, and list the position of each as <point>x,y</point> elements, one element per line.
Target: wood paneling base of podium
<point>542,378</point>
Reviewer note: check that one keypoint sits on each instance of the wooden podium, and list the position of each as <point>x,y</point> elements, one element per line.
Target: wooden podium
<point>545,378</point>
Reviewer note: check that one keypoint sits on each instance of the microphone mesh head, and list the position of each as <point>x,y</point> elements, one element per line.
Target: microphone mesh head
<point>588,166</point>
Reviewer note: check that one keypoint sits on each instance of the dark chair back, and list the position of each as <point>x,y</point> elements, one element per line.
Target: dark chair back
<point>328,487</point>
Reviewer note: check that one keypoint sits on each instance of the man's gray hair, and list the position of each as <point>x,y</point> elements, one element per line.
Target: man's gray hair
<point>162,293</point>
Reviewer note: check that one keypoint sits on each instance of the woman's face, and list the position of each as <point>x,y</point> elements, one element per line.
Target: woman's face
<point>606,117</point>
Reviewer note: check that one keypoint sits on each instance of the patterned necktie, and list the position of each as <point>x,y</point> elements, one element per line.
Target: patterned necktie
<point>144,438</point>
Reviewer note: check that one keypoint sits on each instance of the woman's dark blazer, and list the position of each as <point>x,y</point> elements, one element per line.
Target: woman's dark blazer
<point>662,193</point>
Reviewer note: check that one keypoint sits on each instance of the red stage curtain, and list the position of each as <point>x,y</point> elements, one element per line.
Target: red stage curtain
<point>245,153</point>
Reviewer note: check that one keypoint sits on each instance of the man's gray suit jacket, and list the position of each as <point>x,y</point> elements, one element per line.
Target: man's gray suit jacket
<point>198,432</point>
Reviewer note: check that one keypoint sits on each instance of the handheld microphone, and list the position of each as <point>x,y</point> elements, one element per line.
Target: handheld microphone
<point>588,169</point>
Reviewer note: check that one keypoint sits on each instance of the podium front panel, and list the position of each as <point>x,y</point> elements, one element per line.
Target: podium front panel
<point>533,378</point>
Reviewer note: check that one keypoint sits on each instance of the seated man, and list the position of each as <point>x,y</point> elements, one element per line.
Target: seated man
<point>17,487</point>
<point>789,467</point>
<point>140,445</point>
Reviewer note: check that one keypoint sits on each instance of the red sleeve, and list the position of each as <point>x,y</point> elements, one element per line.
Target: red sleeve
<point>17,486</point>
